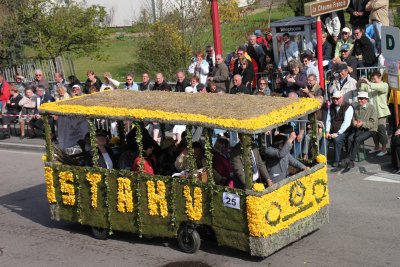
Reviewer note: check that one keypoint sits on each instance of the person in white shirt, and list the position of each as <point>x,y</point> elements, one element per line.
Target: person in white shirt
<point>109,83</point>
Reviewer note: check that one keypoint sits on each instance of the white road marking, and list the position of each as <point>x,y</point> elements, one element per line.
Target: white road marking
<point>376,178</point>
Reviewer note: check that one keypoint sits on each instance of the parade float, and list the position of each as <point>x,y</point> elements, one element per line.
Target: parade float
<point>257,219</point>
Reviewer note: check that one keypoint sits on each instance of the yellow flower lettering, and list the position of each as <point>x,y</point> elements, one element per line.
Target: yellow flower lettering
<point>153,199</point>
<point>67,187</point>
<point>51,192</point>
<point>194,211</point>
<point>125,199</point>
<point>93,179</point>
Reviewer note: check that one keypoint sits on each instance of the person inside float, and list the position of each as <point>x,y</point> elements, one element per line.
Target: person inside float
<point>107,158</point>
<point>222,165</point>
<point>278,157</point>
<point>149,159</point>
<point>182,162</point>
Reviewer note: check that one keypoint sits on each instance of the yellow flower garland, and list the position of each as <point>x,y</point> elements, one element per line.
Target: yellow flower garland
<point>275,211</point>
<point>51,192</point>
<point>125,199</point>
<point>153,198</point>
<point>194,211</point>
<point>94,179</point>
<point>68,198</point>
<point>275,117</point>
<point>258,187</point>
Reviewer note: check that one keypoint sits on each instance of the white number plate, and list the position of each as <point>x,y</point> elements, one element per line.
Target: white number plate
<point>231,200</point>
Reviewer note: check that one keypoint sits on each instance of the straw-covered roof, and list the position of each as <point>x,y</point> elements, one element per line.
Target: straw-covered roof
<point>244,113</point>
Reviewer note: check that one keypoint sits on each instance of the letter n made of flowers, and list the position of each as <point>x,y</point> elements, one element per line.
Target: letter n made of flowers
<point>125,199</point>
<point>154,198</point>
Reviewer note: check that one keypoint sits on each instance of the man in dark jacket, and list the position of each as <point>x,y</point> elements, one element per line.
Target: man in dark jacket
<point>181,82</point>
<point>160,84</point>
<point>359,17</point>
<point>238,87</point>
<point>220,75</point>
<point>37,121</point>
<point>363,49</point>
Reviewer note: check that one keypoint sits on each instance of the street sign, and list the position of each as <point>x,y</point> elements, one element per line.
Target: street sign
<point>391,42</point>
<point>318,8</point>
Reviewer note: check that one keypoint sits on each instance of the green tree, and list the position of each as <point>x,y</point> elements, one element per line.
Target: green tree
<point>48,30</point>
<point>163,51</point>
<point>69,29</point>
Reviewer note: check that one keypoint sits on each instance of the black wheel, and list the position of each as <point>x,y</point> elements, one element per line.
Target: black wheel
<point>100,233</point>
<point>189,240</point>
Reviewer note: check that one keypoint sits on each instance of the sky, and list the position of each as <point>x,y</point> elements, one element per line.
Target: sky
<point>125,10</point>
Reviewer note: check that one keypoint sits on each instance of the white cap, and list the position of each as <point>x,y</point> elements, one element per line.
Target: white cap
<point>363,94</point>
<point>337,94</point>
<point>346,29</point>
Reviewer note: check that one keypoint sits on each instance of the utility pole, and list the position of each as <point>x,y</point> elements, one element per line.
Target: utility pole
<point>153,5</point>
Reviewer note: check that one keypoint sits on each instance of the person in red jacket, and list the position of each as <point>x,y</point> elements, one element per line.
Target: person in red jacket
<point>4,92</point>
<point>149,160</point>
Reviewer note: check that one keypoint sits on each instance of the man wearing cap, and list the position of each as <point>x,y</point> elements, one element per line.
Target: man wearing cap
<point>76,90</point>
<point>346,39</point>
<point>346,57</point>
<point>378,90</point>
<point>345,84</point>
<point>364,125</point>
<point>338,122</point>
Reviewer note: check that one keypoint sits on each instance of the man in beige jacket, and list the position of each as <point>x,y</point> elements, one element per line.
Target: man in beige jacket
<point>379,15</point>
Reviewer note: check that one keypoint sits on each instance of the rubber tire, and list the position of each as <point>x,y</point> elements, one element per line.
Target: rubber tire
<point>100,233</point>
<point>194,241</point>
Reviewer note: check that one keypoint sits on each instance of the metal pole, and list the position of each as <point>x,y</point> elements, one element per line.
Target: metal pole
<point>319,53</point>
<point>216,27</point>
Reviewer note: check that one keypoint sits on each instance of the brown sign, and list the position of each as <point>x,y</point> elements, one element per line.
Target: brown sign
<point>318,8</point>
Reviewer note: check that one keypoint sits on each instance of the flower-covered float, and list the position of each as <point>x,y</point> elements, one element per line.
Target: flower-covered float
<point>257,219</point>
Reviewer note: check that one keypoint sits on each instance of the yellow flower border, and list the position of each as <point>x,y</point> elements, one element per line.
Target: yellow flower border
<point>320,158</point>
<point>271,213</point>
<point>194,208</point>
<point>276,117</point>
<point>258,187</point>
<point>51,191</point>
<point>124,195</point>
<point>68,198</point>
<point>94,179</point>
<point>153,198</point>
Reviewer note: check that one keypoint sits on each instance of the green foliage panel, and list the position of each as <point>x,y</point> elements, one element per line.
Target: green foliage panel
<point>89,215</point>
<point>237,218</point>
<point>121,221</point>
<point>181,202</point>
<point>233,239</point>
<point>67,213</point>
<point>155,225</point>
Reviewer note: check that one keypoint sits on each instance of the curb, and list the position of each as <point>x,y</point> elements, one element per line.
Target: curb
<point>22,147</point>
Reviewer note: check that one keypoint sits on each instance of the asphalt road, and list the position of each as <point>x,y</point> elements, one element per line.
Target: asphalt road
<point>363,230</point>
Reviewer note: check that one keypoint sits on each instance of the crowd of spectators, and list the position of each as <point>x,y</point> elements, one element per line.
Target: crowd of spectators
<point>354,107</point>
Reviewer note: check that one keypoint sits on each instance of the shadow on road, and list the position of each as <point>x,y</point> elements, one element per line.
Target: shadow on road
<point>31,204</point>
